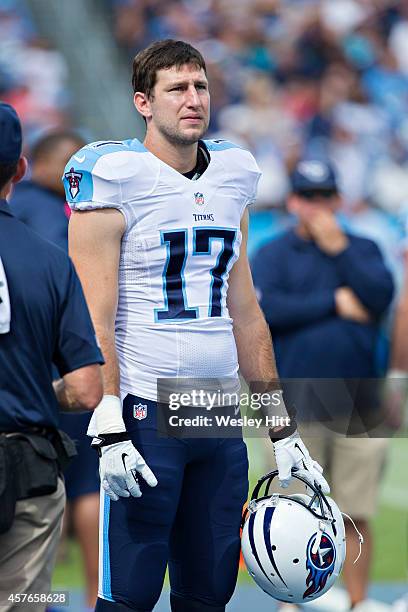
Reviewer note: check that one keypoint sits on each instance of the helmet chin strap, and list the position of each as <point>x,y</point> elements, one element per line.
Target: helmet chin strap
<point>360,536</point>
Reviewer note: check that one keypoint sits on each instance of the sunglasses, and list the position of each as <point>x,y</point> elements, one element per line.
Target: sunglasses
<point>317,194</point>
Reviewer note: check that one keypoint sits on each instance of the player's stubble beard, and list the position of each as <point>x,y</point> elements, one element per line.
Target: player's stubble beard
<point>180,139</point>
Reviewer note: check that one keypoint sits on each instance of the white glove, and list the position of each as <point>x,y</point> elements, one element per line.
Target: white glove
<point>291,453</point>
<point>118,468</point>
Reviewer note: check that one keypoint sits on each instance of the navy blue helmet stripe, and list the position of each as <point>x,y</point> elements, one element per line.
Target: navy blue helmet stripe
<point>267,530</point>
<point>252,542</point>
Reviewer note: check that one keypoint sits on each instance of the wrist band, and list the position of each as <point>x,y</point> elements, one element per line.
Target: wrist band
<point>287,431</point>
<point>107,439</point>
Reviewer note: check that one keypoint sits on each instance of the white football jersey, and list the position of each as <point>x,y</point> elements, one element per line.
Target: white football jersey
<point>181,240</point>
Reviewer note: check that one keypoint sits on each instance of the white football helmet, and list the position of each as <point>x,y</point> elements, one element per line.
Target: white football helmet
<point>294,546</point>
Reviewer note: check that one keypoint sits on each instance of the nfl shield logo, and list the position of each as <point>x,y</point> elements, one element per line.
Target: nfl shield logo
<point>199,198</point>
<point>139,411</point>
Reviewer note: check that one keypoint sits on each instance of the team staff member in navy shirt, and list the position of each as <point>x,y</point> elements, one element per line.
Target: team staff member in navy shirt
<point>40,202</point>
<point>43,320</point>
<point>323,292</point>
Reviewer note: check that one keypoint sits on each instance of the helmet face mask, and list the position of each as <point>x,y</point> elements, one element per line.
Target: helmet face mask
<point>293,545</point>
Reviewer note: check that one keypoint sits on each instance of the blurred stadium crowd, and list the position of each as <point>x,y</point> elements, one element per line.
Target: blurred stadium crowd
<point>289,79</point>
<point>295,77</point>
<point>301,78</point>
<point>33,75</point>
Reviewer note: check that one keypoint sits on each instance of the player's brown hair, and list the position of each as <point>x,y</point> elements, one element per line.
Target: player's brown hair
<point>161,55</point>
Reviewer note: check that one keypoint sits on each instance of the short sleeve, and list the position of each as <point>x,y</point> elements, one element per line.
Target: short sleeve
<point>254,174</point>
<point>89,181</point>
<point>76,341</point>
<point>240,165</point>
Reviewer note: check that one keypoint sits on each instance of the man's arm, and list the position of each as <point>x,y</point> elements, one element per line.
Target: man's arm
<point>80,390</point>
<point>94,242</point>
<point>399,353</point>
<point>396,383</point>
<point>359,264</point>
<point>94,245</point>
<point>254,345</point>
<point>284,309</point>
<point>257,363</point>
<point>362,268</point>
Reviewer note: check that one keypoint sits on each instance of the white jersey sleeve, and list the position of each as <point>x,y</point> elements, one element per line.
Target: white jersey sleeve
<point>240,166</point>
<point>99,175</point>
<point>254,174</point>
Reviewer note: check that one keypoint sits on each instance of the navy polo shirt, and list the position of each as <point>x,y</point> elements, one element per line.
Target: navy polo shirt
<point>50,323</point>
<point>43,210</point>
<point>296,282</point>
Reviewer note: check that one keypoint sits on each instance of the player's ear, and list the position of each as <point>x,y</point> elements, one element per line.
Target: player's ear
<point>142,104</point>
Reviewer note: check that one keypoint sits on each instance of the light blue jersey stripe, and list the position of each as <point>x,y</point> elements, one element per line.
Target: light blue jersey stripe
<point>106,574</point>
<point>220,145</point>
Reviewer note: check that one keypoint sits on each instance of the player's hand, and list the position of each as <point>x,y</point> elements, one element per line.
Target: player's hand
<point>348,306</point>
<point>326,232</point>
<point>119,466</point>
<point>291,453</point>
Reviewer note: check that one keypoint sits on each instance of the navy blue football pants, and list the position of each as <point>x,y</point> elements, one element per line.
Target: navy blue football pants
<point>189,522</point>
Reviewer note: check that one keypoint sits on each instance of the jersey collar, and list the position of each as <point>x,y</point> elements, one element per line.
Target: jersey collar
<point>203,159</point>
<point>5,208</point>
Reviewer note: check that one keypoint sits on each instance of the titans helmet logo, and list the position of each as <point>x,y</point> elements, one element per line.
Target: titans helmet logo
<point>319,563</point>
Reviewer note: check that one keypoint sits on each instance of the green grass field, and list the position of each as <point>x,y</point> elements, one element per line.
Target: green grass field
<point>390,526</point>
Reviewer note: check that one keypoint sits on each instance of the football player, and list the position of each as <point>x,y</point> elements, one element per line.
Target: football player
<point>158,236</point>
